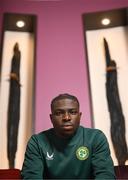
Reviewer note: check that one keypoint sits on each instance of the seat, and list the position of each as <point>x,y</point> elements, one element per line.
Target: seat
<point>121,172</point>
<point>10,174</point>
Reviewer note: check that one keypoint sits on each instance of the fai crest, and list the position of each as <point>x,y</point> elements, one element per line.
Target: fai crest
<point>82,153</point>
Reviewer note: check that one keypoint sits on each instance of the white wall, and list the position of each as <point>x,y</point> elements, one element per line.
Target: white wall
<point>118,45</point>
<point>26,42</point>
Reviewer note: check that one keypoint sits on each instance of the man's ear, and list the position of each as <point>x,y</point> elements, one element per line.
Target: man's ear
<point>51,117</point>
<point>80,114</point>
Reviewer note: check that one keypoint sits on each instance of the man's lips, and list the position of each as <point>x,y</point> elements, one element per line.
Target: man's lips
<point>67,126</point>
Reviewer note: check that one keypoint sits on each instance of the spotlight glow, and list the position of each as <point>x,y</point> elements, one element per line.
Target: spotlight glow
<point>20,24</point>
<point>105,21</point>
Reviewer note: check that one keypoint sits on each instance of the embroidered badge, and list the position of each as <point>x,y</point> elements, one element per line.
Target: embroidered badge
<point>49,157</point>
<point>82,153</point>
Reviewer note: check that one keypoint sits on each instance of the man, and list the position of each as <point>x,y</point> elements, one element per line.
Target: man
<point>68,150</point>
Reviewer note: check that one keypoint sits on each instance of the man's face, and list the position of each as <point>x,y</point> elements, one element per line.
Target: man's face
<point>65,117</point>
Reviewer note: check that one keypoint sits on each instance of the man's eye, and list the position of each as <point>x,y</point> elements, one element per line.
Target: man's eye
<point>73,112</point>
<point>58,113</point>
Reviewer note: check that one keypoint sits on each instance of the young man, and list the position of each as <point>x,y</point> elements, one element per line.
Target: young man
<point>68,150</point>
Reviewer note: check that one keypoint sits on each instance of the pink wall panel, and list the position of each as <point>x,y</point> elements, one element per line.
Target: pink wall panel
<point>61,59</point>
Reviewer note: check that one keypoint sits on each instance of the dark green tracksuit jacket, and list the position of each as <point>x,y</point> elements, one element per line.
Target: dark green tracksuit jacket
<point>84,156</point>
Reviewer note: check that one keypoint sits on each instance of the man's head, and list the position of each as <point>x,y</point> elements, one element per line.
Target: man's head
<point>65,115</point>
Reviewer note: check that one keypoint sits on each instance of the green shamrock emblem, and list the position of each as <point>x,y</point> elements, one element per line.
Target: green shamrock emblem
<point>82,153</point>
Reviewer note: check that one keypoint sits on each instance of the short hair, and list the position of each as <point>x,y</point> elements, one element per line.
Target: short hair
<point>64,96</point>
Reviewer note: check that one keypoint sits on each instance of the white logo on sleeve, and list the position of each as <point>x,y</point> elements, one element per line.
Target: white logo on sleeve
<point>49,157</point>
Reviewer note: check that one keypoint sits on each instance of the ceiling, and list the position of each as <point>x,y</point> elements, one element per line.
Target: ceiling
<point>10,20</point>
<point>118,17</point>
<point>91,21</point>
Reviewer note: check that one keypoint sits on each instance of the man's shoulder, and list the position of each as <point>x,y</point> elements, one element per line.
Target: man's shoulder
<point>44,133</point>
<point>93,135</point>
<point>47,131</point>
<point>41,135</point>
<point>91,131</point>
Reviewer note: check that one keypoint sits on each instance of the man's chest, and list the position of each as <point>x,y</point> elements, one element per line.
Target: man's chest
<point>69,161</point>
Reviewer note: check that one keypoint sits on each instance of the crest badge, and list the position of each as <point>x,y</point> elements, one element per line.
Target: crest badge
<point>82,153</point>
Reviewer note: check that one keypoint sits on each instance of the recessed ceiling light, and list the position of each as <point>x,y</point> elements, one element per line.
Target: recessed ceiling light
<point>20,24</point>
<point>105,21</point>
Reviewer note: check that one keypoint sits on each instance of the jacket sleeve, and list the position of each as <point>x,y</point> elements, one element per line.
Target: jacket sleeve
<point>33,165</point>
<point>102,163</point>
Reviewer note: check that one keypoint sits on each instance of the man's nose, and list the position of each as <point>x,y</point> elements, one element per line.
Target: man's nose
<point>66,116</point>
